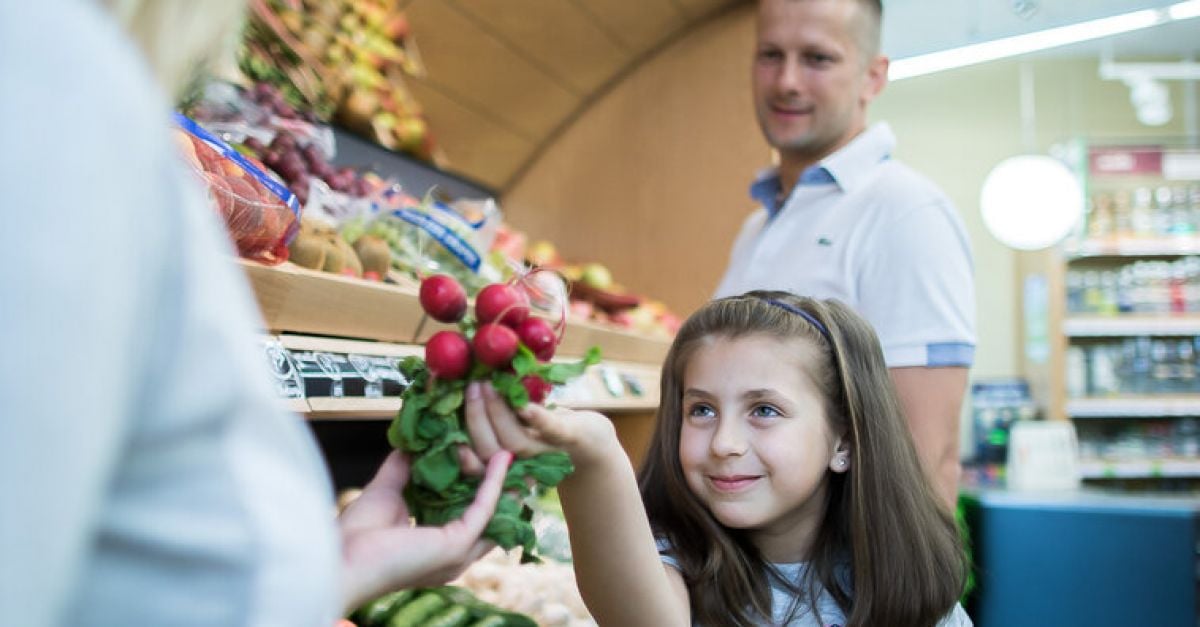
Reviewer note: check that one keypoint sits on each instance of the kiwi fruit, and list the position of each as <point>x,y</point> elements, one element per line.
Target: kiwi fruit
<point>375,254</point>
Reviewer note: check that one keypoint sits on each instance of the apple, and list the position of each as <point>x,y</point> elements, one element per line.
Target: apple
<point>596,276</point>
<point>542,253</point>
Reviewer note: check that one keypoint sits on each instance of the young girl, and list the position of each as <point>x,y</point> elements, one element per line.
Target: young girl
<point>781,486</point>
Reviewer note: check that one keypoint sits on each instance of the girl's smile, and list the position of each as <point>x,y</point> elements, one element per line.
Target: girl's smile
<point>733,483</point>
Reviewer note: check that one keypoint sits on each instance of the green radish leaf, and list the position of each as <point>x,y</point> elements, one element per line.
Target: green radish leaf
<point>448,404</point>
<point>406,425</point>
<point>525,362</point>
<point>510,387</point>
<point>560,373</point>
<point>517,396</point>
<point>432,430</point>
<point>548,469</point>
<point>412,367</point>
<point>436,470</point>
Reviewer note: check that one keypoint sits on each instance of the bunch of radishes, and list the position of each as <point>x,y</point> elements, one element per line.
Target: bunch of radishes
<point>504,322</point>
<point>507,346</point>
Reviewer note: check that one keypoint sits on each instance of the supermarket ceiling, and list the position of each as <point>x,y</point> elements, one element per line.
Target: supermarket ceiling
<point>505,76</point>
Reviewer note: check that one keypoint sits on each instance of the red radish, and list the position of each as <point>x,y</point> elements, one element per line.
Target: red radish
<point>536,386</point>
<point>539,336</point>
<point>495,344</point>
<point>501,301</point>
<point>448,355</point>
<point>443,298</point>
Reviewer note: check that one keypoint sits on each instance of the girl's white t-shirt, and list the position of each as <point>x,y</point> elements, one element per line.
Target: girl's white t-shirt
<point>827,613</point>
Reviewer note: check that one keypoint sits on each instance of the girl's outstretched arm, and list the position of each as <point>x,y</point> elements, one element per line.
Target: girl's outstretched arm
<point>620,575</point>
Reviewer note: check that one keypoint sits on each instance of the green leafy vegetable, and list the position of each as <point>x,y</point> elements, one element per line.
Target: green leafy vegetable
<point>429,428</point>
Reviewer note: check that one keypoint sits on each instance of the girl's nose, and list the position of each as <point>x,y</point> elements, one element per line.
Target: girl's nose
<point>729,439</point>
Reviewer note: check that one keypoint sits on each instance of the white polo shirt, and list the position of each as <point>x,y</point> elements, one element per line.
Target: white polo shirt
<point>869,231</point>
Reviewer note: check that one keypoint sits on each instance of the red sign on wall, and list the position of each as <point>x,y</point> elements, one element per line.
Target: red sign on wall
<point>1126,160</point>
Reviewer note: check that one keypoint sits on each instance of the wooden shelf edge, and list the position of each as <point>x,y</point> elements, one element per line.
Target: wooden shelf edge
<point>295,300</point>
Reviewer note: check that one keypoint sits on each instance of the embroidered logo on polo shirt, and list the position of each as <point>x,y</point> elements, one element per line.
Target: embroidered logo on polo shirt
<point>824,241</point>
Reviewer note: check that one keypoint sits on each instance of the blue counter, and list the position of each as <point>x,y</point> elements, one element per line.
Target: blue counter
<point>1083,558</point>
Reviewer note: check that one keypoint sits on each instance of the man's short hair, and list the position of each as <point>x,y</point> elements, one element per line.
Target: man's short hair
<point>872,25</point>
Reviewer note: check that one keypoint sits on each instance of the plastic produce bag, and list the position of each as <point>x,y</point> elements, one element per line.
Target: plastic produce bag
<point>261,215</point>
<point>431,237</point>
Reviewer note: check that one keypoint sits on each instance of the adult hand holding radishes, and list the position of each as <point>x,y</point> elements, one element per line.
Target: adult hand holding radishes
<point>382,552</point>
<point>510,349</point>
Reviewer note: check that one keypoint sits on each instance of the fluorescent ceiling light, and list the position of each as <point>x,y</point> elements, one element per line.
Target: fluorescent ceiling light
<point>1040,40</point>
<point>1184,10</point>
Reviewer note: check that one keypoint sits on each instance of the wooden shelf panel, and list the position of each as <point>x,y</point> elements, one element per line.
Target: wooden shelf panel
<point>1131,324</point>
<point>306,301</point>
<point>1138,468</point>
<point>302,301</point>
<point>338,345</point>
<point>1135,406</point>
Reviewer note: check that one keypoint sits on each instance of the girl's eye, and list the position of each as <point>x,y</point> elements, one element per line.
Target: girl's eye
<point>701,410</point>
<point>765,411</point>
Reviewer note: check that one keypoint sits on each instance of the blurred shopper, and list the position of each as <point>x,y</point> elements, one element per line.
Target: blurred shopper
<point>149,475</point>
<point>840,218</point>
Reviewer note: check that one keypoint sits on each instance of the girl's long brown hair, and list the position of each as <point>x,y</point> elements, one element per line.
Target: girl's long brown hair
<point>887,551</point>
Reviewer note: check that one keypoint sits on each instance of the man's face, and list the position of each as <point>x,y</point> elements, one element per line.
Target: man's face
<point>811,80</point>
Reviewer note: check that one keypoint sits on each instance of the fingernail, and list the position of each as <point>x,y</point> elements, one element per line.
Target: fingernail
<point>489,390</point>
<point>511,458</point>
<point>473,391</point>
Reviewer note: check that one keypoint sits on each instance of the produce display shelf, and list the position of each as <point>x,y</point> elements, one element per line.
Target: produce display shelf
<point>1135,247</point>
<point>1132,324</point>
<point>387,408</point>
<point>611,386</point>
<point>1134,406</point>
<point>299,300</point>
<point>1139,468</point>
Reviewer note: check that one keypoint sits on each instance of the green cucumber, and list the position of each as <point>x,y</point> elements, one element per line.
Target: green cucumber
<point>375,613</point>
<point>492,620</point>
<point>453,616</point>
<point>414,613</point>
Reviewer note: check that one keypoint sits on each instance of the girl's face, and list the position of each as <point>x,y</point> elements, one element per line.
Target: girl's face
<point>755,443</point>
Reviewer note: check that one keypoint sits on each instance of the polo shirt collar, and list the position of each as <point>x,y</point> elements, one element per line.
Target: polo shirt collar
<point>849,167</point>
<point>852,165</point>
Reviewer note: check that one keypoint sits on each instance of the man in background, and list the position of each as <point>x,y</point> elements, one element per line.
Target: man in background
<point>841,219</point>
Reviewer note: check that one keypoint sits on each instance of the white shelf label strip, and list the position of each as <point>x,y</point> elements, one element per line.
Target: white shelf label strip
<point>1130,469</point>
<point>1105,407</point>
<point>1117,326</point>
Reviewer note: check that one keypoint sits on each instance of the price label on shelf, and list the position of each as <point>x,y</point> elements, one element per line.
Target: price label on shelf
<point>328,375</point>
<point>286,377</point>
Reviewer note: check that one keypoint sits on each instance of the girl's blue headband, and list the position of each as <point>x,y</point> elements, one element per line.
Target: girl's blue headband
<point>803,314</point>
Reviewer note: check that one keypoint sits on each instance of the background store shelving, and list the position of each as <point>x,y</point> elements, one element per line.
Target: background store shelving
<point>1123,316</point>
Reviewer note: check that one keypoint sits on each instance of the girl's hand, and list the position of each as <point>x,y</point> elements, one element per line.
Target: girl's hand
<point>382,551</point>
<point>493,426</point>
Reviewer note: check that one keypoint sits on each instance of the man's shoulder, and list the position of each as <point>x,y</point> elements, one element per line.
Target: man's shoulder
<point>754,220</point>
<point>898,181</point>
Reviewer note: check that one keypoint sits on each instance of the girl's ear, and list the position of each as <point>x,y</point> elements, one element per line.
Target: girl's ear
<point>840,462</point>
